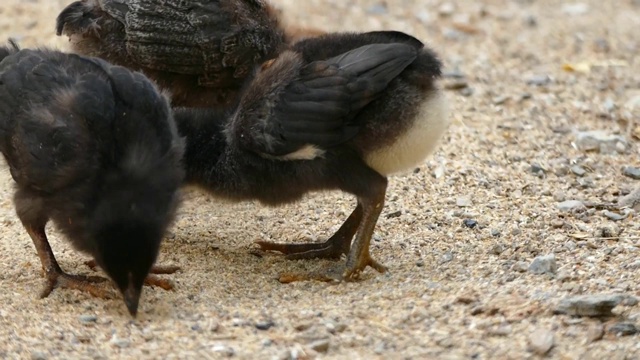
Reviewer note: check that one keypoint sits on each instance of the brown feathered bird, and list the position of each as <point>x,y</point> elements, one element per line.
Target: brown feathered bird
<point>93,148</point>
<point>336,112</point>
<point>200,50</point>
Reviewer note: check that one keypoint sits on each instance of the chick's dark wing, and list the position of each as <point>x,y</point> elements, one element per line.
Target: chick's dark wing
<point>319,107</point>
<point>51,142</point>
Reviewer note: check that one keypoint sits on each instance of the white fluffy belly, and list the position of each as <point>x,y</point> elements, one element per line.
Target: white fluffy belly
<point>420,140</point>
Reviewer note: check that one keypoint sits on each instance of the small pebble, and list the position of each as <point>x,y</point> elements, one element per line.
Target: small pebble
<point>589,305</point>
<point>575,8</point>
<point>557,223</point>
<point>499,100</point>
<point>303,326</point>
<point>609,105</point>
<point>424,16</point>
<point>456,84</point>
<point>377,9</point>
<point>623,329</point>
<point>612,215</point>
<point>455,73</point>
<point>537,169</point>
<point>88,319</point>
<point>321,346</point>
<point>38,355</point>
<point>600,141</point>
<point>463,201</point>
<point>541,341</point>
<point>264,325</point>
<point>335,327</point>
<point>520,266</point>
<point>446,9</point>
<point>564,276</point>
<point>223,349</point>
<point>538,80</point>
<point>496,249</point>
<point>467,91</point>
<point>470,223</point>
<point>578,170</point>
<point>121,343</point>
<point>502,330</point>
<point>570,205</point>
<point>394,214</point>
<point>595,333</point>
<point>632,172</point>
<point>530,21</point>
<point>543,265</point>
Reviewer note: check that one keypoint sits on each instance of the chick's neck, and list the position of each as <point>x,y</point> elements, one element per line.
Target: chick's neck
<point>210,161</point>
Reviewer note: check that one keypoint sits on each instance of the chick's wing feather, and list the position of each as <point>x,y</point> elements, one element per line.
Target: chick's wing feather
<point>319,107</point>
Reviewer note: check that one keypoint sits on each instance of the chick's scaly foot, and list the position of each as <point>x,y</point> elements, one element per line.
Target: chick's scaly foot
<point>353,270</point>
<point>62,280</point>
<point>336,274</point>
<point>333,248</point>
<point>329,249</point>
<point>151,279</point>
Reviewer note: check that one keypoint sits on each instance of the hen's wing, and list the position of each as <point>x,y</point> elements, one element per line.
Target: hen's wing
<point>219,41</point>
<point>317,108</point>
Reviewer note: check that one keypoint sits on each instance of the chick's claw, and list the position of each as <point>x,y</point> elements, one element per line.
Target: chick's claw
<point>87,284</point>
<point>159,269</point>
<point>164,269</point>
<point>352,272</point>
<point>153,280</point>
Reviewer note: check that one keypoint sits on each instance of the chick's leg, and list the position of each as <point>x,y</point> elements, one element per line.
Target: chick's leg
<point>359,257</point>
<point>56,278</point>
<point>370,188</point>
<point>333,248</point>
<point>151,280</point>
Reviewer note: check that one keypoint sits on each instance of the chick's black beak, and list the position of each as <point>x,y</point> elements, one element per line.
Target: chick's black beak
<point>132,297</point>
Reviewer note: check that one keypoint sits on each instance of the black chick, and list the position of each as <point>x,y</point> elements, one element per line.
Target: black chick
<point>341,111</point>
<point>94,148</point>
<point>202,51</point>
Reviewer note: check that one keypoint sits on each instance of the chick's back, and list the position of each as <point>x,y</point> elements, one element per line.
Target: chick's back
<point>69,123</point>
<point>402,126</point>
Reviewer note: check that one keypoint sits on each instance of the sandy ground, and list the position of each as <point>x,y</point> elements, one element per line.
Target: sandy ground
<point>525,77</point>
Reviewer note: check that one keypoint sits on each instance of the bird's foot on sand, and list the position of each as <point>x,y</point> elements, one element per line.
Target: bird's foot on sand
<point>62,280</point>
<point>333,248</point>
<point>355,267</point>
<point>151,279</point>
<point>340,273</point>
